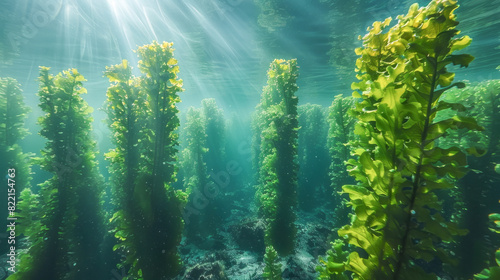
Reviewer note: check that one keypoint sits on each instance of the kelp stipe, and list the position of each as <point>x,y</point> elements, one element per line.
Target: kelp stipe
<point>340,133</point>
<point>278,166</point>
<point>314,188</point>
<point>195,175</point>
<point>477,194</point>
<point>143,117</point>
<point>204,138</point>
<point>397,224</point>
<point>13,113</point>
<point>126,120</point>
<point>215,128</point>
<point>164,227</point>
<point>68,225</point>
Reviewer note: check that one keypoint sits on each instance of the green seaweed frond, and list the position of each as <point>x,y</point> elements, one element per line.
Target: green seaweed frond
<point>493,272</point>
<point>334,266</point>
<point>142,114</point>
<point>398,166</point>
<point>272,270</point>
<point>277,160</point>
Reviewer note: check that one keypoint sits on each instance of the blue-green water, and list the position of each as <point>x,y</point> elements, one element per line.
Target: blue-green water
<point>223,48</point>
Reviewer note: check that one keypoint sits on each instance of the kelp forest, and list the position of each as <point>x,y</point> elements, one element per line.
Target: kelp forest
<point>393,176</point>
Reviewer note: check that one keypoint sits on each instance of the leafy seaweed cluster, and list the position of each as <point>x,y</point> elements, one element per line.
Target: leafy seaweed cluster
<point>143,117</point>
<point>13,112</point>
<point>402,71</point>
<point>196,179</point>
<point>201,159</point>
<point>333,267</point>
<point>215,128</point>
<point>477,195</point>
<point>340,133</point>
<point>482,102</point>
<point>272,270</point>
<point>313,157</point>
<point>66,226</point>
<point>494,271</point>
<point>193,163</point>
<point>278,166</point>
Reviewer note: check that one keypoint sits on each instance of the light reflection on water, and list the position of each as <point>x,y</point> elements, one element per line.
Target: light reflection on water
<point>223,46</point>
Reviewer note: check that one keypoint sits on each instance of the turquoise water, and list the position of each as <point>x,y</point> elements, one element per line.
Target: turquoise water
<point>223,49</point>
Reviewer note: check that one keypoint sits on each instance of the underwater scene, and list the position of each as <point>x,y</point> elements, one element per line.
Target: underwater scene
<point>249,139</point>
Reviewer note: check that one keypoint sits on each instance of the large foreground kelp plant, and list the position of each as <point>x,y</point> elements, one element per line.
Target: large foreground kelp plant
<point>278,167</point>
<point>397,228</point>
<point>143,117</point>
<point>63,223</point>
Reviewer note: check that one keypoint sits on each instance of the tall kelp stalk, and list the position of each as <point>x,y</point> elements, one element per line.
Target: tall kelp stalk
<point>64,222</point>
<point>13,112</point>
<point>219,169</point>
<point>196,179</point>
<point>313,186</point>
<point>201,162</point>
<point>143,117</point>
<point>13,161</point>
<point>215,128</point>
<point>477,190</point>
<point>398,228</point>
<point>278,166</point>
<point>340,133</point>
